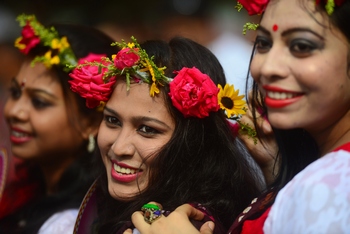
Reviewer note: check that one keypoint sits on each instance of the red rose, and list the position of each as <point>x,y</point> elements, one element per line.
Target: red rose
<point>28,40</point>
<point>254,6</point>
<point>88,83</point>
<point>194,93</point>
<point>126,58</point>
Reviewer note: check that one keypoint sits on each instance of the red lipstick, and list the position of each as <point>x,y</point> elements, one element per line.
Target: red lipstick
<point>278,98</point>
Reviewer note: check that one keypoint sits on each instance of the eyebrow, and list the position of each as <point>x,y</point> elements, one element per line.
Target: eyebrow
<point>289,31</point>
<point>139,118</point>
<point>31,90</point>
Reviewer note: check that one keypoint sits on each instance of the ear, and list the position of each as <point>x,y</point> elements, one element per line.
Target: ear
<point>90,130</point>
<point>89,127</point>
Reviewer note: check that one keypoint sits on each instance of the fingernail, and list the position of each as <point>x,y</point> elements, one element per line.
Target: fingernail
<point>266,127</point>
<point>211,226</point>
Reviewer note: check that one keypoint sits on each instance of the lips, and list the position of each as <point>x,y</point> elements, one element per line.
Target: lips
<point>18,136</point>
<point>124,173</point>
<point>279,98</point>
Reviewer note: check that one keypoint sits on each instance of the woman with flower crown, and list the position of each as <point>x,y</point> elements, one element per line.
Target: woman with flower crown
<point>301,72</point>
<point>52,131</point>
<point>165,136</point>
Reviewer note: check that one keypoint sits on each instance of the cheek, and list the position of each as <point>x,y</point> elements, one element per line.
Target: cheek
<point>255,68</point>
<point>101,139</point>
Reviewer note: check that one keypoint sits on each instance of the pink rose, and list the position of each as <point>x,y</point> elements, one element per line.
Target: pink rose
<point>88,83</point>
<point>126,58</point>
<point>194,93</point>
<point>254,6</point>
<point>29,39</point>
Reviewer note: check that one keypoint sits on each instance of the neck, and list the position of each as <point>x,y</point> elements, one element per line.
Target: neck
<point>334,136</point>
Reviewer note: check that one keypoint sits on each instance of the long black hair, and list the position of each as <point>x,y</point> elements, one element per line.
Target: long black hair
<point>78,177</point>
<point>201,162</point>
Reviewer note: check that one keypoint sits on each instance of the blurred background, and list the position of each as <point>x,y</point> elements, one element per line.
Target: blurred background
<point>213,23</point>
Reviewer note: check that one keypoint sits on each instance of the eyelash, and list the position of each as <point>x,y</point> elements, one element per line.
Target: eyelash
<point>298,47</point>
<point>38,103</point>
<point>302,47</point>
<point>262,44</point>
<point>109,121</point>
<point>15,93</point>
<point>144,130</point>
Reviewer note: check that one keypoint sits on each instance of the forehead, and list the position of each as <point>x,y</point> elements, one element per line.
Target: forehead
<point>293,13</point>
<point>37,75</point>
<point>138,100</point>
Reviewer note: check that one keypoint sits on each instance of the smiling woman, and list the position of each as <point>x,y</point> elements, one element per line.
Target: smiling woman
<point>124,150</point>
<point>165,138</point>
<point>51,130</point>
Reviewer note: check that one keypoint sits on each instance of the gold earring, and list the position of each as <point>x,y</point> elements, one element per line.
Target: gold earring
<point>91,144</point>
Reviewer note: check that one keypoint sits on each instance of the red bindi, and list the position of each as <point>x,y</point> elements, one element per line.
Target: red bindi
<point>275,27</point>
<point>23,83</point>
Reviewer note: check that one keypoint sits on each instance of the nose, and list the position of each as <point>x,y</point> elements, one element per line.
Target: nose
<point>273,64</point>
<point>123,145</point>
<point>16,110</point>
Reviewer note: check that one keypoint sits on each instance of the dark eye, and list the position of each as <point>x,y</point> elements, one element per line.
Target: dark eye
<point>147,130</point>
<point>262,44</point>
<point>111,120</point>
<point>302,47</point>
<point>38,103</point>
<point>15,93</point>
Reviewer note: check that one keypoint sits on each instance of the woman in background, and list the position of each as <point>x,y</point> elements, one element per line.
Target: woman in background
<point>51,129</point>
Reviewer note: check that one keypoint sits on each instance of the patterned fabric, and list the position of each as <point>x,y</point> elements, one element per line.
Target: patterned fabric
<point>317,200</point>
<point>252,219</point>
<point>87,212</point>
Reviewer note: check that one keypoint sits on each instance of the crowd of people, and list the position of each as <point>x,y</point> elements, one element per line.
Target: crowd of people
<point>149,137</point>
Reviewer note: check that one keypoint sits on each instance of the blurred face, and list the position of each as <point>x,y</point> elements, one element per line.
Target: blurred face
<point>134,128</point>
<point>37,116</point>
<point>301,67</point>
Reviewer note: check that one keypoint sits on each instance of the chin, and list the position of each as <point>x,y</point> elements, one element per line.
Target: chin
<point>121,196</point>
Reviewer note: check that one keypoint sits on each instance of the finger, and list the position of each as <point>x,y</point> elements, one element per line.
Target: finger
<point>207,228</point>
<point>190,212</point>
<point>139,222</point>
<point>127,231</point>
<point>266,127</point>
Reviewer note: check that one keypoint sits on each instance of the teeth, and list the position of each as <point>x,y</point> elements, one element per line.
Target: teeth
<point>123,170</point>
<point>19,134</point>
<point>279,95</point>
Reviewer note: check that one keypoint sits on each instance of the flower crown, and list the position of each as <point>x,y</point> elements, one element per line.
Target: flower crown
<point>34,33</point>
<point>257,7</point>
<point>192,92</point>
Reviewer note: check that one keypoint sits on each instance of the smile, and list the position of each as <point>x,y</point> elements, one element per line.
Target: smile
<point>279,98</point>
<point>280,95</point>
<point>123,170</point>
<point>123,173</point>
<point>18,137</point>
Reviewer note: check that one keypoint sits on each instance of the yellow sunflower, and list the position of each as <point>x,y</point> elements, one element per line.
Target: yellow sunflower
<point>230,101</point>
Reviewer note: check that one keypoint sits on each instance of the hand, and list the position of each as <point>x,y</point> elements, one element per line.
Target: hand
<point>265,151</point>
<point>177,222</point>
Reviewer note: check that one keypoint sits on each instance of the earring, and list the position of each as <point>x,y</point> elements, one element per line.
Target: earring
<point>91,144</point>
